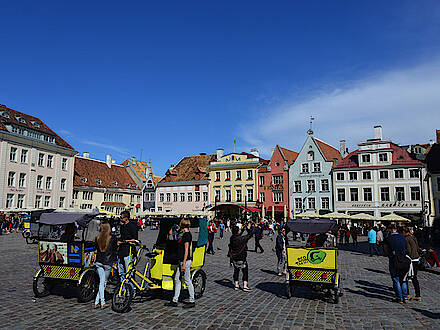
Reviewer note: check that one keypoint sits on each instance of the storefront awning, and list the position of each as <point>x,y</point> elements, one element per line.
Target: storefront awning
<point>277,208</point>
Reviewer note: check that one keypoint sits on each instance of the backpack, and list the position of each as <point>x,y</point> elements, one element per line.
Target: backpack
<point>401,264</point>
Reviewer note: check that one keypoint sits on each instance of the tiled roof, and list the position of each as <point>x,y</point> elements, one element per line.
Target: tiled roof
<point>138,166</point>
<point>261,160</point>
<point>30,122</point>
<point>400,157</point>
<point>330,152</point>
<point>156,179</point>
<point>192,168</point>
<point>95,173</point>
<point>289,155</point>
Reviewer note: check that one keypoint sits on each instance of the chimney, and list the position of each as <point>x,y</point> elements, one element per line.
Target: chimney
<point>220,153</point>
<point>378,132</point>
<point>133,160</point>
<point>254,151</point>
<point>86,155</point>
<point>108,160</point>
<point>437,132</point>
<point>342,148</point>
<point>113,161</point>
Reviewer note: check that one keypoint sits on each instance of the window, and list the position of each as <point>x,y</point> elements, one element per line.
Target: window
<point>250,174</point>
<point>228,195</point>
<point>383,157</point>
<point>310,155</point>
<point>261,180</point>
<point>197,196</point>
<point>398,174</point>
<point>40,159</point>
<point>278,196</point>
<point>383,175</point>
<point>37,201</point>
<point>366,175</point>
<point>49,161</point>
<point>340,176</point>
<point>311,203</point>
<point>161,197</point>
<point>298,186</point>
<point>354,194</point>
<point>205,196</point>
<point>88,195</point>
<point>11,179</point>
<point>20,201</point>
<point>298,203</point>
<point>325,203</point>
<point>366,158</point>
<point>385,194</point>
<point>46,201</point>
<point>400,193</point>
<point>341,195</point>
<point>75,194</point>
<point>118,197</point>
<point>159,209</point>
<point>262,198</point>
<point>64,164</point>
<point>368,196</point>
<point>217,176</point>
<point>39,182</point>
<point>63,185</point>
<point>324,185</point>
<point>250,194</point>
<point>108,197</point>
<point>238,175</point>
<point>168,197</point>
<point>415,193</point>
<point>217,195</point>
<point>305,168</point>
<point>22,180</point>
<point>182,197</point>
<point>353,176</point>
<point>310,185</point>
<point>13,154</point>
<point>238,195</point>
<point>189,197</point>
<point>9,200</point>
<point>5,114</point>
<point>174,197</point>
<point>61,204</point>
<point>277,179</point>
<point>414,173</point>
<point>228,176</point>
<point>24,156</point>
<point>48,183</point>
<point>316,167</point>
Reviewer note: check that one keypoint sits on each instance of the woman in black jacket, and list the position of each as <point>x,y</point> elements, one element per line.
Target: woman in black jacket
<point>238,254</point>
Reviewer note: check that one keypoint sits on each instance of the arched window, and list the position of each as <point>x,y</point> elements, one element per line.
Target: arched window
<point>310,155</point>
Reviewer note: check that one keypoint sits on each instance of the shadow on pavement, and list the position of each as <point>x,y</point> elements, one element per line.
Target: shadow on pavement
<point>373,290</point>
<point>225,282</point>
<point>376,271</point>
<point>435,316</point>
<point>275,288</point>
<point>361,247</point>
<point>270,272</point>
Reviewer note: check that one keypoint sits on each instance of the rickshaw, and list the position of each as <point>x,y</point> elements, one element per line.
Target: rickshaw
<point>161,264</point>
<point>67,262</point>
<point>30,232</point>
<point>317,267</point>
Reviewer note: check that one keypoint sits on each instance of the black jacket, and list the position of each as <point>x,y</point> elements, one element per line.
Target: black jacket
<point>238,246</point>
<point>109,255</point>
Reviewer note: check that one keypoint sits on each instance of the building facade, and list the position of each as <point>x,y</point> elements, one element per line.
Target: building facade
<point>379,178</point>
<point>36,164</point>
<point>433,181</point>
<point>104,186</point>
<point>273,183</point>
<point>185,187</point>
<point>310,177</point>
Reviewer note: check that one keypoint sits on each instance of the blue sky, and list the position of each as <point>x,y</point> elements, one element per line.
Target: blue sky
<point>169,79</point>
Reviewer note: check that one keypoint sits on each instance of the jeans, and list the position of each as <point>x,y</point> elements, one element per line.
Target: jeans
<point>373,247</point>
<point>400,286</point>
<point>210,243</point>
<point>187,278</point>
<point>244,269</point>
<point>281,266</point>
<point>221,233</point>
<point>103,273</point>
<point>122,268</point>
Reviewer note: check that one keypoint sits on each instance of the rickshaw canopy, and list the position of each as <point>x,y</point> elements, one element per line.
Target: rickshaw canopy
<point>166,224</point>
<point>62,218</point>
<point>312,226</point>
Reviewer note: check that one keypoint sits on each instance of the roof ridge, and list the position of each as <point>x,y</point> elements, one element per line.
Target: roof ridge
<point>98,160</point>
<point>327,144</point>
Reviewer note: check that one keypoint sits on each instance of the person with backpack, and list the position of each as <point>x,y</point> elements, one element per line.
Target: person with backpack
<point>238,255</point>
<point>395,249</point>
<point>280,250</point>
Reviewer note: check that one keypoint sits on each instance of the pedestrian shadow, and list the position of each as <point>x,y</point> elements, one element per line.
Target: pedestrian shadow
<point>276,288</point>
<point>225,282</point>
<point>431,315</point>
<point>270,272</point>
<point>360,247</point>
<point>374,285</point>
<point>372,290</point>
<point>376,271</point>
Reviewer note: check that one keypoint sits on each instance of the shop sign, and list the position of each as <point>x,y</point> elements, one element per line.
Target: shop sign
<point>274,187</point>
<point>402,204</point>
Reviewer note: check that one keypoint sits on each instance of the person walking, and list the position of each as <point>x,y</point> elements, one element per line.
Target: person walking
<point>280,250</point>
<point>238,255</point>
<point>395,249</point>
<point>258,232</point>
<point>372,241</point>
<point>379,240</point>
<point>412,250</point>
<point>222,229</point>
<point>354,235</point>
<point>347,235</point>
<point>212,229</point>
<point>184,251</point>
<point>106,253</point>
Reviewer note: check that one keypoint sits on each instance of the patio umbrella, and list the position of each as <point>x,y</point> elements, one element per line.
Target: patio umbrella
<point>394,217</point>
<point>308,214</point>
<point>364,216</point>
<point>336,215</point>
<point>263,212</point>
<point>285,212</point>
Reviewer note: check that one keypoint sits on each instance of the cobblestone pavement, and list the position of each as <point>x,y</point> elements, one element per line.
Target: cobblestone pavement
<point>366,303</point>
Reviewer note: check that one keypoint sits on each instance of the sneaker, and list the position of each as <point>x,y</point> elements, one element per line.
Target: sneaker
<point>246,289</point>
<point>189,305</point>
<point>416,298</point>
<point>236,288</point>
<point>171,304</point>
<point>96,306</point>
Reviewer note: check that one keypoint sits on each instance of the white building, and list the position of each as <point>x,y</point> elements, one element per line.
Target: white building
<point>36,164</point>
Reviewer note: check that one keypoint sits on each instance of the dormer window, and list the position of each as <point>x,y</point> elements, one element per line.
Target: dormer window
<point>5,114</point>
<point>115,183</point>
<point>36,124</point>
<point>98,181</point>
<point>310,155</point>
<point>21,119</point>
<point>128,185</point>
<point>83,180</point>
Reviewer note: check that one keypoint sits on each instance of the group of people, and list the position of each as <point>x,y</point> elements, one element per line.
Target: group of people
<point>11,223</point>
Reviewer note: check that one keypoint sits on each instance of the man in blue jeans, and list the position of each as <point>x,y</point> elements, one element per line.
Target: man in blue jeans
<point>394,245</point>
<point>129,233</point>
<point>372,236</point>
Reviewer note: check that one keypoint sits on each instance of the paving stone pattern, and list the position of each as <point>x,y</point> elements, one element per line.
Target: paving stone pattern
<point>366,303</point>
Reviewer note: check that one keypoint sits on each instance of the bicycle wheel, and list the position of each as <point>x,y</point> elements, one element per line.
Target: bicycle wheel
<point>122,297</point>
<point>199,283</point>
<point>41,285</point>
<point>88,288</point>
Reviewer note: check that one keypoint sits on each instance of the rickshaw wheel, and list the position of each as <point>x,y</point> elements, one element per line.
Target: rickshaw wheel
<point>41,285</point>
<point>88,286</point>
<point>199,282</point>
<point>289,290</point>
<point>336,296</point>
<point>121,302</point>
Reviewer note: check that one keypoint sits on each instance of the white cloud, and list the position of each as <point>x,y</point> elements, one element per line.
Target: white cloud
<point>122,151</point>
<point>405,102</point>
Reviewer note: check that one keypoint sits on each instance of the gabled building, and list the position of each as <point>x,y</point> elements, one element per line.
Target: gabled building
<point>107,186</point>
<point>433,181</point>
<point>185,187</point>
<point>36,164</point>
<point>273,183</point>
<point>310,176</point>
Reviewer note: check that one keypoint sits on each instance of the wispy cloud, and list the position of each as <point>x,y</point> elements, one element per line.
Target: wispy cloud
<point>121,150</point>
<point>405,102</point>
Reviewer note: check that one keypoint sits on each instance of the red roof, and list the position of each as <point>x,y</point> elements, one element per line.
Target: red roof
<point>289,155</point>
<point>400,157</point>
<point>261,160</point>
<point>30,122</point>
<point>330,152</point>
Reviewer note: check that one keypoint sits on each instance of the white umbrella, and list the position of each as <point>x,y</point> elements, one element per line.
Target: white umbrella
<point>364,216</point>
<point>336,215</point>
<point>394,217</point>
<point>308,214</point>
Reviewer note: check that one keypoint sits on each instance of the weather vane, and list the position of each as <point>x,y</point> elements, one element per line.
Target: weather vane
<point>310,131</point>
